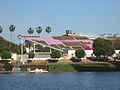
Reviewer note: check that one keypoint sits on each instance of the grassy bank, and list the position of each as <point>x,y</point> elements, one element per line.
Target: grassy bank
<point>97,67</point>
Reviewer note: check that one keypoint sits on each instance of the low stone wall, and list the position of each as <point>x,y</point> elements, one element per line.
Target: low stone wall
<point>42,55</point>
<point>33,67</point>
<point>1,65</point>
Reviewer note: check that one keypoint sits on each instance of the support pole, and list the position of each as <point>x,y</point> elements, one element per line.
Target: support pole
<point>21,47</point>
<point>34,48</point>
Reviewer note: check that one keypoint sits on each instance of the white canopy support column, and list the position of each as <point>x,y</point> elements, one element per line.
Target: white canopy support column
<point>34,48</point>
<point>21,46</point>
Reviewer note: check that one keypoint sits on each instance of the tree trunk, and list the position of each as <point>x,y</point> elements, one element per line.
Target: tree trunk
<point>34,47</point>
<point>104,58</point>
<point>114,58</point>
<point>29,48</point>
<point>10,39</point>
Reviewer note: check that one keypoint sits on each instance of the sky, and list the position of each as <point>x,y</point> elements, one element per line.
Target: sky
<point>80,16</point>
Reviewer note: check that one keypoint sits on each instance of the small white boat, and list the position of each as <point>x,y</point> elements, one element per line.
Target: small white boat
<point>38,70</point>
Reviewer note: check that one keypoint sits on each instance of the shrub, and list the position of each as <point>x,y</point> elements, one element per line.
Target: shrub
<point>8,66</point>
<point>55,54</point>
<point>31,55</point>
<point>80,53</point>
<point>6,55</point>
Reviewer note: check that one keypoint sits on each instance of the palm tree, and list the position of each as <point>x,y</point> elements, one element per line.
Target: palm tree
<point>39,30</point>
<point>12,29</point>
<point>30,31</point>
<point>0,29</point>
<point>48,30</point>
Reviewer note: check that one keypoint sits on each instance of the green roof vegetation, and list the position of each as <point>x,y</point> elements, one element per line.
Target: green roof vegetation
<point>54,45</point>
<point>67,38</point>
<point>81,38</point>
<point>83,44</point>
<point>57,37</point>
<point>43,42</point>
<point>63,37</point>
<point>72,43</point>
<point>60,45</point>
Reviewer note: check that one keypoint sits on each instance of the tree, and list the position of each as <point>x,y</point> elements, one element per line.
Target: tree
<point>12,29</point>
<point>40,48</point>
<point>39,30</point>
<point>6,55</point>
<point>80,53</point>
<point>8,66</point>
<point>4,46</point>
<point>28,44</point>
<point>55,54</point>
<point>31,55</point>
<point>103,47</point>
<point>48,30</point>
<point>30,31</point>
<point>0,29</point>
<point>15,48</point>
<point>116,42</point>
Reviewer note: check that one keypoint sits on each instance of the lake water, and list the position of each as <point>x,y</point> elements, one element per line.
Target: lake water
<point>61,81</point>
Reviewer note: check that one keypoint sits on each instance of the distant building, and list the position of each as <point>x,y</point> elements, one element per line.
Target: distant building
<point>117,35</point>
<point>89,35</point>
<point>92,35</point>
<point>68,32</point>
<point>111,35</point>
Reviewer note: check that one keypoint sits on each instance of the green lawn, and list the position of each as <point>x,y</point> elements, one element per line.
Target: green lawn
<point>61,68</point>
<point>84,67</point>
